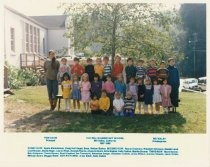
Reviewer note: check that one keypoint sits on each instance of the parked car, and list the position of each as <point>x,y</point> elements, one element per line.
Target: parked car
<point>190,83</point>
<point>201,84</point>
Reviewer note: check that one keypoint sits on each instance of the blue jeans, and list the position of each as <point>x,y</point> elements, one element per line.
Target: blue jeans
<point>129,112</point>
<point>119,113</point>
<point>52,88</point>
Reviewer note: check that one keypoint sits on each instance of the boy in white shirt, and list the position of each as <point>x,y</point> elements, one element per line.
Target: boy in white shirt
<point>118,104</point>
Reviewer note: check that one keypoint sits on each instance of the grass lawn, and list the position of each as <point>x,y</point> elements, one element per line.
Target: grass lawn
<point>27,111</point>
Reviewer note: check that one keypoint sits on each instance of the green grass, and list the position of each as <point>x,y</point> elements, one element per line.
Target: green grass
<point>190,116</point>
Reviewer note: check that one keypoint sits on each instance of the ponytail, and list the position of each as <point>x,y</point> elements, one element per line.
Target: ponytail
<point>53,64</point>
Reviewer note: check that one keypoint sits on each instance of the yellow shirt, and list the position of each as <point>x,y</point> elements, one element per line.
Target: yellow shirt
<point>66,85</point>
<point>99,69</point>
<point>94,105</point>
<point>104,103</point>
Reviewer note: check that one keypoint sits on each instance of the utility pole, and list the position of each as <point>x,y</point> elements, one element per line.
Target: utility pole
<point>195,40</point>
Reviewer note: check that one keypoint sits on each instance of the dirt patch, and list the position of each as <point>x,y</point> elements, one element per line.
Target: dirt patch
<point>20,116</point>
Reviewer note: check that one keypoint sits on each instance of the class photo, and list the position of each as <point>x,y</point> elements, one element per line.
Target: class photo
<point>96,68</point>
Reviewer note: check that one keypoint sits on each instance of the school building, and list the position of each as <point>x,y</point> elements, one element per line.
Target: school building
<point>27,39</point>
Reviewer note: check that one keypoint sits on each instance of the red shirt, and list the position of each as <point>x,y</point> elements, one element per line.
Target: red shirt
<point>77,69</point>
<point>117,69</point>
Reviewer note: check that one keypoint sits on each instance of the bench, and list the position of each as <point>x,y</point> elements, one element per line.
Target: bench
<point>59,97</point>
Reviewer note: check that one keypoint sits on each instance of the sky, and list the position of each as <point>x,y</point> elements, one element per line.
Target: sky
<point>46,7</point>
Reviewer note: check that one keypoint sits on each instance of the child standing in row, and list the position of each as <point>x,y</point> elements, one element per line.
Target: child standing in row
<point>165,91</point>
<point>64,68</point>
<point>108,86</point>
<point>162,72</point>
<point>99,68</point>
<point>107,68</point>
<point>89,69</point>
<point>157,96</point>
<point>120,86</point>
<point>148,98</point>
<point>152,70</point>
<point>130,70</point>
<point>140,70</point>
<point>77,68</point>
<point>96,86</point>
<point>117,67</point>
<point>66,89</point>
<point>118,104</point>
<point>141,94</point>
<point>75,94</point>
<point>85,91</point>
<point>174,81</point>
<point>133,89</point>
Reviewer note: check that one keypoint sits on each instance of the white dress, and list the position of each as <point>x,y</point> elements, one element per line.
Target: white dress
<point>156,96</point>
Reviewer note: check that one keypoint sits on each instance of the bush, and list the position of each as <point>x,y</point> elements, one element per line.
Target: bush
<point>22,77</point>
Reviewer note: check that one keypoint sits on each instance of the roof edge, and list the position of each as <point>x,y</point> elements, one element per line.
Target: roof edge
<point>26,17</point>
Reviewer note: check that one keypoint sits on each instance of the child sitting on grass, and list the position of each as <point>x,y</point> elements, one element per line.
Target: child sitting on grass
<point>104,103</point>
<point>129,105</point>
<point>118,104</point>
<point>94,105</point>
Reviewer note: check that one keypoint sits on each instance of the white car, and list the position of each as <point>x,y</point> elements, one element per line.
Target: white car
<point>202,81</point>
<point>190,83</point>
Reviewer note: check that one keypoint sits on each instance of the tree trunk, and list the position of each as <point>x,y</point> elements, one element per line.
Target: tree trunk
<point>114,37</point>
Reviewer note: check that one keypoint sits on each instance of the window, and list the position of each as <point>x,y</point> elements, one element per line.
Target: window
<point>35,40</point>
<point>32,38</point>
<point>43,42</point>
<point>27,37</point>
<point>12,33</point>
<point>38,40</point>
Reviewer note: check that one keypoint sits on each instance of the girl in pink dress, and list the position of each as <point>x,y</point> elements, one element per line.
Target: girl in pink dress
<point>165,91</point>
<point>85,91</point>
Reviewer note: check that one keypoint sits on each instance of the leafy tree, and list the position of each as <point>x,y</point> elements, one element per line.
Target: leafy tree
<point>133,29</point>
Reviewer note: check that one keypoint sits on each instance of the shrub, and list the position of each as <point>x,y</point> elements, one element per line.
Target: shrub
<point>22,77</point>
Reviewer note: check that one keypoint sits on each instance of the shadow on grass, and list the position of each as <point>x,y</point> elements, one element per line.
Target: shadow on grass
<point>46,121</point>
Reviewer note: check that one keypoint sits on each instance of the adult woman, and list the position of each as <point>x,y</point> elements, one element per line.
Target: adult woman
<point>51,67</point>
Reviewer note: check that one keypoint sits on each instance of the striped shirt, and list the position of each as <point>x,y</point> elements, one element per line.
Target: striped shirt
<point>140,72</point>
<point>151,71</point>
<point>162,73</point>
<point>129,104</point>
<point>107,69</point>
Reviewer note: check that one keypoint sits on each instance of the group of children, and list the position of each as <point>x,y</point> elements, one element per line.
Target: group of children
<point>103,89</point>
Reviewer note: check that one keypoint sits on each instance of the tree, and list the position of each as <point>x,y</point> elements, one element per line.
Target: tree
<point>134,29</point>
<point>194,22</point>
